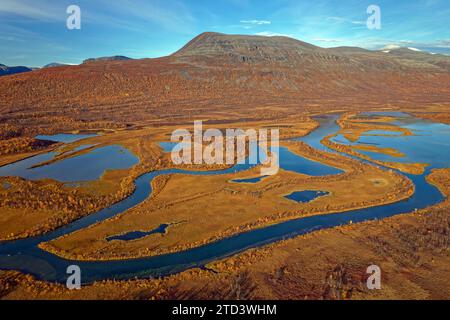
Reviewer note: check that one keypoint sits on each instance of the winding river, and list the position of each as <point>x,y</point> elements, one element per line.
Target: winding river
<point>24,255</point>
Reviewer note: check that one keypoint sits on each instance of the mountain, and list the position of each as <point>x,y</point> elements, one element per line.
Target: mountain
<point>54,64</point>
<point>223,77</point>
<point>113,58</point>
<point>246,48</point>
<point>350,50</point>
<point>283,51</point>
<point>5,70</point>
<point>412,56</point>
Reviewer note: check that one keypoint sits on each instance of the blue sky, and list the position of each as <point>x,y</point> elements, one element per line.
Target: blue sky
<point>34,33</point>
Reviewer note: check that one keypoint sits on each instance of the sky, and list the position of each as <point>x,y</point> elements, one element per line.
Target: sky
<point>34,33</point>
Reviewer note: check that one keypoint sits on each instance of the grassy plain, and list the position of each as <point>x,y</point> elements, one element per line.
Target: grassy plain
<point>208,208</point>
<point>42,206</point>
<point>412,251</point>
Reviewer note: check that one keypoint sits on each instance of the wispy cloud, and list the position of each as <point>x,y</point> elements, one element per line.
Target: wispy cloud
<point>43,10</point>
<point>11,38</point>
<point>124,14</point>
<point>273,34</point>
<point>256,22</point>
<point>328,40</point>
<point>418,45</point>
<point>346,20</point>
<point>18,57</point>
<point>173,15</point>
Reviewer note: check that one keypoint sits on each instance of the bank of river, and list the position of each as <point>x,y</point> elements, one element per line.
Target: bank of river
<point>24,255</point>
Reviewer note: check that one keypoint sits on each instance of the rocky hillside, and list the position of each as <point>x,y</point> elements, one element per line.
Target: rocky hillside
<point>247,48</point>
<point>113,58</point>
<point>223,76</point>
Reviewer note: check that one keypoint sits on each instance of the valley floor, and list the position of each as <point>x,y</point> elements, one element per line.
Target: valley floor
<point>412,250</point>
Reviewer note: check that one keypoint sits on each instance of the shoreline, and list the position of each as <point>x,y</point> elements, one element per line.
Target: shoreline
<point>307,152</point>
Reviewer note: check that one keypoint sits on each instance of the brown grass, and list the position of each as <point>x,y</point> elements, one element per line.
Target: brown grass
<point>213,208</point>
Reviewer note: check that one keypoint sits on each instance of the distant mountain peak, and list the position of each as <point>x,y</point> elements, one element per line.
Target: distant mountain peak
<point>5,70</point>
<point>402,50</point>
<point>405,51</point>
<point>245,47</point>
<point>54,64</point>
<point>112,58</point>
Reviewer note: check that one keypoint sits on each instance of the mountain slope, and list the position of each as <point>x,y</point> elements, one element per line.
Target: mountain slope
<point>5,70</point>
<point>419,58</point>
<point>113,58</point>
<point>247,48</point>
<point>54,64</point>
<point>222,76</point>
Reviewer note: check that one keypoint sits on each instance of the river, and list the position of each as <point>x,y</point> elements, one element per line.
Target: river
<point>24,255</point>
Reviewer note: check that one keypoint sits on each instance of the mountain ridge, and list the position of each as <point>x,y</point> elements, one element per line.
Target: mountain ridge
<point>217,72</point>
<point>111,58</point>
<point>251,48</point>
<point>54,64</point>
<point>6,70</point>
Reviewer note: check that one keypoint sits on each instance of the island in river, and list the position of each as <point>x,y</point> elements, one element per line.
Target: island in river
<point>357,191</point>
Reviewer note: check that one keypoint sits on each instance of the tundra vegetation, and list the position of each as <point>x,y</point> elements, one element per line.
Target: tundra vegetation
<point>219,208</point>
<point>230,82</point>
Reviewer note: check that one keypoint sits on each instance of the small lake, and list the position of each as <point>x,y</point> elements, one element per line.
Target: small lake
<point>306,195</point>
<point>88,166</point>
<point>65,137</point>
<point>134,235</point>
<point>429,144</point>
<point>249,180</point>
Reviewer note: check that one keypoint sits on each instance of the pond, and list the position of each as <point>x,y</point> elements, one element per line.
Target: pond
<point>134,235</point>
<point>429,143</point>
<point>65,137</point>
<point>306,195</point>
<point>249,180</point>
<point>84,167</point>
